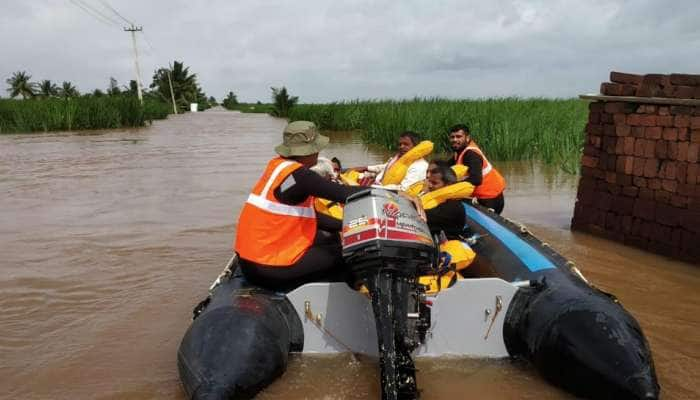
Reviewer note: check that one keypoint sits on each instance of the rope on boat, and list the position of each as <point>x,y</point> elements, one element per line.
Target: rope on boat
<point>576,271</point>
<point>224,274</point>
<point>316,320</point>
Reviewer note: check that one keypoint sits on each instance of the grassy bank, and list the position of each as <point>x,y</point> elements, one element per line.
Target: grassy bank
<point>551,130</point>
<point>57,114</point>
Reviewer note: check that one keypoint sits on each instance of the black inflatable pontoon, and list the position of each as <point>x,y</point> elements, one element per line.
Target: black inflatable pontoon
<point>577,336</point>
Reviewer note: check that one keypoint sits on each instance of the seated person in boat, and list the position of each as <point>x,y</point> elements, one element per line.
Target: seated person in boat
<point>488,182</point>
<point>415,172</point>
<point>449,216</point>
<point>325,168</point>
<point>337,167</point>
<point>281,241</point>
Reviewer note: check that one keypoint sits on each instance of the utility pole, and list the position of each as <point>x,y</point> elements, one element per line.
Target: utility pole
<point>172,94</point>
<point>133,31</point>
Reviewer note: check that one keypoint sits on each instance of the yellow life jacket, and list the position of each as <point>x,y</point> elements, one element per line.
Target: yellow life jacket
<point>330,208</point>
<point>460,170</point>
<point>416,188</point>
<point>461,254</point>
<point>350,177</point>
<point>396,171</point>
<point>433,283</point>
<point>459,190</point>
<point>461,257</point>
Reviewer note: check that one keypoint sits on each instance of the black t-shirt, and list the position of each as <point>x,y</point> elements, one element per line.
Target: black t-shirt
<point>303,183</point>
<point>473,160</point>
<point>449,217</point>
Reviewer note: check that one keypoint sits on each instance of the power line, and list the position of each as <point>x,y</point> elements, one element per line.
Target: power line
<point>148,42</point>
<point>104,3</point>
<point>96,11</point>
<point>92,14</point>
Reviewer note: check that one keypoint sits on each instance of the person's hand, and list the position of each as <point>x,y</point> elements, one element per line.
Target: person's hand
<point>416,203</point>
<point>359,169</point>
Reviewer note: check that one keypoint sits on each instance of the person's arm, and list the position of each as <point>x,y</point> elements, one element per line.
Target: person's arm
<point>448,217</point>
<point>303,183</point>
<point>328,223</point>
<point>473,160</point>
<point>376,168</point>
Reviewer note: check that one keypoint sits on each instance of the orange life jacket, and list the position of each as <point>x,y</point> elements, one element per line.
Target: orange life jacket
<point>272,233</point>
<point>492,183</point>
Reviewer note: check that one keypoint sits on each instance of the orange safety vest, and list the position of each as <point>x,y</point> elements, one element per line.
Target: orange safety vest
<point>272,233</point>
<point>492,183</point>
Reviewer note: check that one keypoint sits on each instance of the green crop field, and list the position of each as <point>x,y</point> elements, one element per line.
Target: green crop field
<point>550,130</point>
<point>78,113</point>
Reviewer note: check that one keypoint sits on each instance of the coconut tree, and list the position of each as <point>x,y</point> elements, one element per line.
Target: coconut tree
<point>132,89</point>
<point>282,102</point>
<point>184,85</point>
<point>47,89</point>
<point>231,101</point>
<point>20,85</point>
<point>68,90</point>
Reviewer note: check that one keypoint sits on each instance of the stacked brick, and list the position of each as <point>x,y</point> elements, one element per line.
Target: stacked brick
<point>640,176</point>
<point>677,86</point>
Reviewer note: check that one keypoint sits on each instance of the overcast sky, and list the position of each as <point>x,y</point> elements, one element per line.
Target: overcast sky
<point>333,50</point>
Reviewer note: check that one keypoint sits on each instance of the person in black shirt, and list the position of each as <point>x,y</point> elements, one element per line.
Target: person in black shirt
<point>448,217</point>
<point>488,182</point>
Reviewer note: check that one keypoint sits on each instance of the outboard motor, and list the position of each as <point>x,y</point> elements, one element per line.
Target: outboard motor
<point>387,246</point>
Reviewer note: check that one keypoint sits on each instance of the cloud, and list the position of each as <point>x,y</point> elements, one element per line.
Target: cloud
<point>325,51</point>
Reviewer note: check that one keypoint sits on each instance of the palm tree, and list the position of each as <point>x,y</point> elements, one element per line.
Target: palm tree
<point>68,90</point>
<point>132,89</point>
<point>281,102</point>
<point>20,85</point>
<point>184,85</point>
<point>47,89</point>
<point>230,102</point>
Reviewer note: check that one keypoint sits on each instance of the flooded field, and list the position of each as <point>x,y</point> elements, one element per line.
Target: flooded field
<point>108,239</point>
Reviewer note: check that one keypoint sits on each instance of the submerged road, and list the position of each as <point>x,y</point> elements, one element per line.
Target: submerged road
<point>108,239</point>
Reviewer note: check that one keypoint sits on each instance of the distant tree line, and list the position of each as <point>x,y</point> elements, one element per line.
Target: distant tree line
<point>173,83</point>
<point>184,85</point>
<point>282,102</point>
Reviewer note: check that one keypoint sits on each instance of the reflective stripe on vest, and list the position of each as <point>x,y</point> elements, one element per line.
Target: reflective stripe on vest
<point>488,167</point>
<point>271,233</point>
<point>279,208</point>
<point>485,169</point>
<point>261,201</point>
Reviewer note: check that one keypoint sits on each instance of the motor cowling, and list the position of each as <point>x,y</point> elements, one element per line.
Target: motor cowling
<point>382,230</point>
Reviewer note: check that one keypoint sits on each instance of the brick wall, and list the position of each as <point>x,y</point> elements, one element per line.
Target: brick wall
<point>640,176</point>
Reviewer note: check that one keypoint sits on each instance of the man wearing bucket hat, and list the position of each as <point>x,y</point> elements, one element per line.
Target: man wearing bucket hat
<point>281,241</point>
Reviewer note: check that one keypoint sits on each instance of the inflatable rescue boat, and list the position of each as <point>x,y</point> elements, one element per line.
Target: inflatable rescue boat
<point>518,298</point>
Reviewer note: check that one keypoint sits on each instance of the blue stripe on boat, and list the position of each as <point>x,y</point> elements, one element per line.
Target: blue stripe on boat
<point>532,259</point>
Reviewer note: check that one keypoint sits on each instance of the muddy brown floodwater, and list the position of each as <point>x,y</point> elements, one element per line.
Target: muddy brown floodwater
<point>108,239</point>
